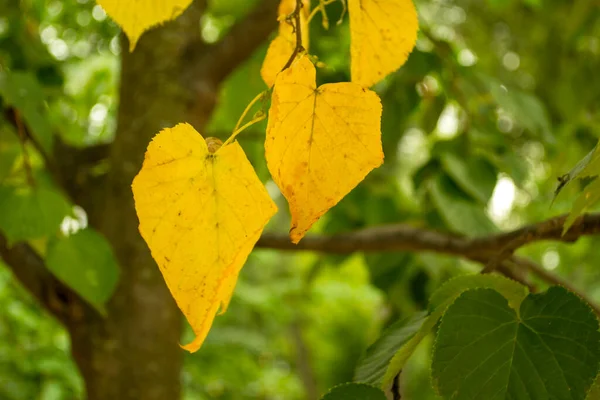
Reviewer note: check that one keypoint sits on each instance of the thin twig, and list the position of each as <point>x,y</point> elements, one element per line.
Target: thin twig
<point>402,237</point>
<point>253,121</point>
<point>553,279</point>
<point>295,15</point>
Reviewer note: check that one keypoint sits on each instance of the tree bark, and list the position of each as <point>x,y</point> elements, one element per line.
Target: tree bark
<point>133,353</point>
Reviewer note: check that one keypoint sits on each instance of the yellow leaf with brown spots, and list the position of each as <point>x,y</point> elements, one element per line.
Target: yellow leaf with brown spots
<point>137,16</point>
<point>321,142</point>
<point>201,209</point>
<point>282,47</point>
<point>382,34</point>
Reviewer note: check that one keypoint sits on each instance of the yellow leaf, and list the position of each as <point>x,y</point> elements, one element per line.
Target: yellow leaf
<point>137,16</point>
<point>201,210</point>
<point>282,47</point>
<point>321,142</point>
<point>382,33</point>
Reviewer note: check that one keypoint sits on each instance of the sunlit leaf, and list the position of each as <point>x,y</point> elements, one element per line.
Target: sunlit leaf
<point>282,47</point>
<point>201,210</point>
<point>137,16</point>
<point>485,349</point>
<point>321,142</point>
<point>383,33</point>
<point>86,263</point>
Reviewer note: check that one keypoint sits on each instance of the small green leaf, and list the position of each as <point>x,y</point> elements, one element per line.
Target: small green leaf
<point>372,368</point>
<point>588,167</point>
<point>85,262</point>
<point>526,109</point>
<point>354,391</point>
<point>22,91</point>
<point>458,213</point>
<point>474,175</point>
<point>31,213</point>
<point>587,198</point>
<point>550,349</point>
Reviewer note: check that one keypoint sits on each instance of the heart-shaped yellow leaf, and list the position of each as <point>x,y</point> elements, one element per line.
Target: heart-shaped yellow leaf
<point>321,142</point>
<point>201,210</point>
<point>382,33</point>
<point>137,16</point>
<point>282,47</point>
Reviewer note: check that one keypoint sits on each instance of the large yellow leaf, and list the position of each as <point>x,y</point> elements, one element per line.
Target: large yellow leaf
<point>382,33</point>
<point>201,211</point>
<point>281,48</point>
<point>321,142</point>
<point>137,16</point>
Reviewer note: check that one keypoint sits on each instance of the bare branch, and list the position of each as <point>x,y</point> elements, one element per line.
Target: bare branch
<point>553,279</point>
<point>402,237</point>
<point>495,250</point>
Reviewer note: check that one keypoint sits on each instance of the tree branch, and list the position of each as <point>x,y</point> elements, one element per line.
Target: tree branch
<point>496,250</point>
<point>402,237</point>
<point>219,60</point>
<point>28,267</point>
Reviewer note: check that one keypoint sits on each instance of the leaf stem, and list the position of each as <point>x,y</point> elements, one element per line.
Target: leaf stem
<point>243,127</point>
<point>321,7</point>
<point>259,97</point>
<point>253,121</point>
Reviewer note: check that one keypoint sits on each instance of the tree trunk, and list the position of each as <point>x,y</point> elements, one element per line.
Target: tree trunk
<point>133,353</point>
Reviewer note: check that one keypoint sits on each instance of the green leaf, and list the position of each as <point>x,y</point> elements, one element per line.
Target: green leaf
<point>527,109</point>
<point>459,214</point>
<point>514,292</point>
<point>31,213</point>
<point>587,167</point>
<point>354,391</point>
<point>22,91</point>
<point>439,302</point>
<point>587,198</point>
<point>474,175</point>
<point>85,262</point>
<point>594,392</point>
<point>486,350</point>
<point>373,366</point>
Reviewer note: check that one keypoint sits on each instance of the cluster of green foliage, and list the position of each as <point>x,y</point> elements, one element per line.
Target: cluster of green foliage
<point>495,103</point>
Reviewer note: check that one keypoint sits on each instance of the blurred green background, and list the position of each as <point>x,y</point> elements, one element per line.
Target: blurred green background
<point>498,99</point>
